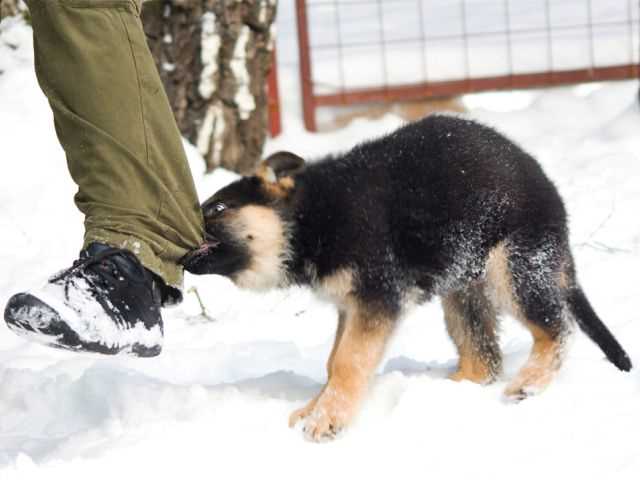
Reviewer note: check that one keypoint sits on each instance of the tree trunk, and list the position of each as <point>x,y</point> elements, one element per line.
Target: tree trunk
<point>214,57</point>
<point>8,8</point>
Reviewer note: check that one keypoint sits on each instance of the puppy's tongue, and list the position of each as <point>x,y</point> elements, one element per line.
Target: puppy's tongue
<point>201,251</point>
<point>207,246</point>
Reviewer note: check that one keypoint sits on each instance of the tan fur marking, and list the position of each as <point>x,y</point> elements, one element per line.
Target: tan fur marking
<point>339,331</point>
<point>304,412</point>
<point>339,285</point>
<point>307,409</point>
<point>546,354</point>
<point>500,284</point>
<point>263,231</point>
<point>470,367</point>
<point>500,287</point>
<point>287,183</point>
<point>355,357</point>
<point>543,363</point>
<point>275,188</point>
<point>265,173</point>
<point>563,279</point>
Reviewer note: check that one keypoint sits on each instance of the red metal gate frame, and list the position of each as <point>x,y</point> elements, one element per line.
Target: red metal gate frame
<point>311,100</point>
<point>273,98</point>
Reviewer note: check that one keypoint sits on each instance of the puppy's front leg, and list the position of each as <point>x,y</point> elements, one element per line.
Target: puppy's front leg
<point>354,359</point>
<point>304,412</point>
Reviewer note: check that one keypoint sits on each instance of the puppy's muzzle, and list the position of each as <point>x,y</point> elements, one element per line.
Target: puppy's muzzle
<point>193,261</point>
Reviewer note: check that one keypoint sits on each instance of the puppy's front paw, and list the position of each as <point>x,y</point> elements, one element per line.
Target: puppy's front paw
<point>324,422</point>
<point>325,416</point>
<point>302,413</point>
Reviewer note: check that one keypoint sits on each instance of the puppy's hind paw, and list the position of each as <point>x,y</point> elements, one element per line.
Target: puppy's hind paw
<point>517,392</point>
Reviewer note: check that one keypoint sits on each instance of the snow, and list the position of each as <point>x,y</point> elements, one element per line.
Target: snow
<point>210,45</point>
<point>216,402</point>
<point>213,127</point>
<point>238,65</point>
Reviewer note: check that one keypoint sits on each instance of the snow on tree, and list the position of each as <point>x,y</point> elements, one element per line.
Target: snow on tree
<point>9,8</point>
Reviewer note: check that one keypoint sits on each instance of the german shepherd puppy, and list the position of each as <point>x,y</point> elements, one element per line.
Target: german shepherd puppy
<point>440,207</point>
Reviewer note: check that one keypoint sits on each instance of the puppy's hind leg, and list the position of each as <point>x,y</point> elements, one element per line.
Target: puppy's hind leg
<point>471,323</point>
<point>539,302</point>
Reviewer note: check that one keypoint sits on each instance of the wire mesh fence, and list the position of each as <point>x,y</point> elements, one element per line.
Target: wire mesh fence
<point>355,51</point>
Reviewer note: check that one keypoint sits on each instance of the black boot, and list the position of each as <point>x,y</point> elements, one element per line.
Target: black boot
<point>107,302</point>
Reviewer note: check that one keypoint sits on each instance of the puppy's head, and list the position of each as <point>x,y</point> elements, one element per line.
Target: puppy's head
<point>246,226</point>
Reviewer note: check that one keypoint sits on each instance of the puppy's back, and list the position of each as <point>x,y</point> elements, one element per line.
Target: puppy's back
<point>433,173</point>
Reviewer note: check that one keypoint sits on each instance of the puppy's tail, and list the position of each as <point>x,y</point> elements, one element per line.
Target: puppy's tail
<point>597,331</point>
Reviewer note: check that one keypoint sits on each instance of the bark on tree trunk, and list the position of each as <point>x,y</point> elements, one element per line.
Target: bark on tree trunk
<point>214,57</point>
<point>9,8</point>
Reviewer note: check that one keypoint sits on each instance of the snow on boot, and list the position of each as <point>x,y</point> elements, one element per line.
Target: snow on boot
<point>107,302</point>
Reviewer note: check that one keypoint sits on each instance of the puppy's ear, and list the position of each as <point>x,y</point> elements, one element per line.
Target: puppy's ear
<point>282,164</point>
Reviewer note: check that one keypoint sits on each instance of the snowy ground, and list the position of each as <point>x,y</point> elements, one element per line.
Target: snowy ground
<point>216,402</point>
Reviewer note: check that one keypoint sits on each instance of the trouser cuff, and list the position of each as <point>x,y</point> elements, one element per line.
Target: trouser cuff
<point>168,271</point>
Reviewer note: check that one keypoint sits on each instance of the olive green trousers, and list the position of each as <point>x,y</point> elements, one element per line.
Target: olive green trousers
<point>113,119</point>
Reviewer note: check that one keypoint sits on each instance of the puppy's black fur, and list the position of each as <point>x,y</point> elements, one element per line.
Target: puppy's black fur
<point>443,206</point>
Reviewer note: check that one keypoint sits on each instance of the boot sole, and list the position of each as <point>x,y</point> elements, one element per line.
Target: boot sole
<point>30,318</point>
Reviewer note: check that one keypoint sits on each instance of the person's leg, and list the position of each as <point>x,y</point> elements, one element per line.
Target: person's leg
<point>124,151</point>
<point>114,121</point>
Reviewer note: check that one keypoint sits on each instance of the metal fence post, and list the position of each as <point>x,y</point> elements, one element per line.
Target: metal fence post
<point>306,79</point>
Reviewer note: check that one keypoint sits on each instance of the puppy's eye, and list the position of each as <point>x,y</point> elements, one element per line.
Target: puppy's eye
<point>214,209</point>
